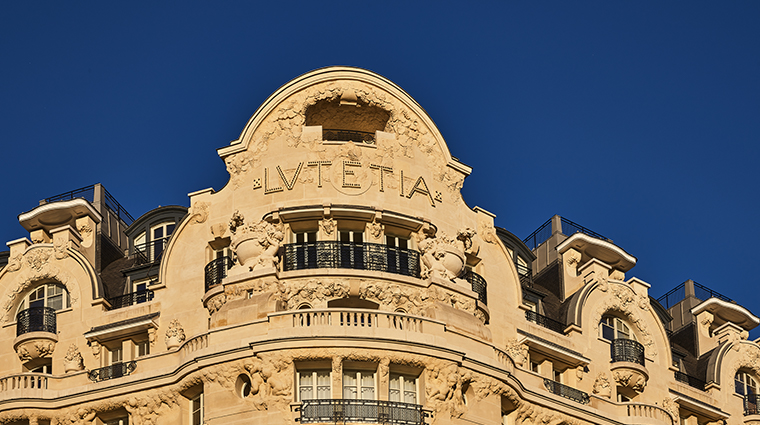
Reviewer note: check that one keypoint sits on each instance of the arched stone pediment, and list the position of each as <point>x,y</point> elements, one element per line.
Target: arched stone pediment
<point>731,356</point>
<point>42,263</point>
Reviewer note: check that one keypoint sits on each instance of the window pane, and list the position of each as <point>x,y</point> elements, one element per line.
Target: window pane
<point>170,229</point>
<point>55,302</point>
<point>608,332</point>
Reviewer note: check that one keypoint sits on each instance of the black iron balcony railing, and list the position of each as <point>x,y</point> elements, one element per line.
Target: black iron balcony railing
<point>343,255</point>
<point>568,392</point>
<point>690,380</point>
<point>751,402</point>
<point>349,136</point>
<point>216,270</point>
<point>150,252</point>
<point>116,370</point>
<point>526,275</point>
<point>627,350</point>
<point>36,319</point>
<point>130,299</point>
<point>479,285</point>
<point>361,411</point>
<point>544,321</point>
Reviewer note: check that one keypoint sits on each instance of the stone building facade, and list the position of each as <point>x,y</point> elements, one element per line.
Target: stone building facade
<point>339,276</point>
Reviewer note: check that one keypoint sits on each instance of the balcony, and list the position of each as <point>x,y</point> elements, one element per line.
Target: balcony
<point>544,321</point>
<point>568,392</point>
<point>750,404</point>
<point>216,271</point>
<point>690,380</point>
<point>348,136</point>
<point>361,411</point>
<point>627,350</point>
<point>130,299</point>
<point>342,255</point>
<point>36,319</point>
<point>116,370</point>
<point>479,285</point>
<point>149,252</point>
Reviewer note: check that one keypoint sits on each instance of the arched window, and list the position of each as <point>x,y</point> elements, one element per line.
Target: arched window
<point>50,295</point>
<point>744,383</point>
<point>615,328</point>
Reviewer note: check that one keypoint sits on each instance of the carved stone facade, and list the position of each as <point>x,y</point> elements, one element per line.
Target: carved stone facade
<point>340,273</point>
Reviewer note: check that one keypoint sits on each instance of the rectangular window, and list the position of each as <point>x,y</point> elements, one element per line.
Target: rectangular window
<point>142,348</point>
<point>196,410</point>
<point>359,385</point>
<point>402,388</point>
<point>115,355</point>
<point>314,384</point>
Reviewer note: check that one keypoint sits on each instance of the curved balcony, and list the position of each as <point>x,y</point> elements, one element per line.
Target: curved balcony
<point>343,255</point>
<point>627,350</point>
<point>361,411</point>
<point>568,392</point>
<point>36,319</point>
<point>479,285</point>
<point>116,370</point>
<point>216,270</point>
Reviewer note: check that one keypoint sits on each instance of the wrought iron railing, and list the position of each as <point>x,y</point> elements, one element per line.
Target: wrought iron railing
<point>544,321</point>
<point>569,228</point>
<point>216,270</point>
<point>343,255</point>
<point>479,285</point>
<point>116,370</point>
<point>526,275</point>
<point>36,319</point>
<point>751,402</point>
<point>133,298</point>
<point>627,350</point>
<point>362,411</point>
<point>88,193</point>
<point>349,135</point>
<point>568,392</point>
<point>690,380</point>
<point>678,294</point>
<point>149,252</point>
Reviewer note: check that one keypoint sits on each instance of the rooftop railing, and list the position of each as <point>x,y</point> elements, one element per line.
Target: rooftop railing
<point>216,271</point>
<point>569,228</point>
<point>361,411</point>
<point>678,294</point>
<point>349,136</point>
<point>116,370</point>
<point>568,392</point>
<point>343,255</point>
<point>88,193</point>
<point>36,319</point>
<point>627,350</point>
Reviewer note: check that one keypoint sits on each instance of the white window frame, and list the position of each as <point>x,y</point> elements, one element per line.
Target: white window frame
<point>402,394</point>
<point>359,388</point>
<point>200,409</point>
<point>743,381</point>
<point>620,329</point>
<point>45,287</point>
<point>314,386</point>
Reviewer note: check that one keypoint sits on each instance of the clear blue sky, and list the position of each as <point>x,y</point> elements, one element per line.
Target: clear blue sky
<point>639,120</point>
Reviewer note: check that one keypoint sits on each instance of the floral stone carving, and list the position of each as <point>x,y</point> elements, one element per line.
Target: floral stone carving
<point>175,335</point>
<point>256,245</point>
<point>73,361</point>
<point>35,349</point>
<point>602,386</point>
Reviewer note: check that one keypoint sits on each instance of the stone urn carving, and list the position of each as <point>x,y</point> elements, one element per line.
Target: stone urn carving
<point>175,335</point>
<point>444,257</point>
<point>256,245</point>
<point>73,361</point>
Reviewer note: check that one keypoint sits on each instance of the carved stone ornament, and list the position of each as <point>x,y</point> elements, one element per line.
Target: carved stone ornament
<point>73,361</point>
<point>35,349</point>
<point>748,357</point>
<point>443,257</point>
<point>602,386</point>
<point>487,232</point>
<point>43,270</point>
<point>95,346</point>
<point>328,226</point>
<point>375,229</point>
<point>444,383</point>
<point>271,381</point>
<point>14,264</point>
<point>625,302</point>
<point>671,406</point>
<point>414,301</point>
<point>617,275</point>
<point>256,245</point>
<point>199,212</point>
<point>152,336</point>
<point>38,259</point>
<point>572,259</point>
<point>518,352</point>
<point>175,335</point>
<point>60,248</point>
<point>630,379</point>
